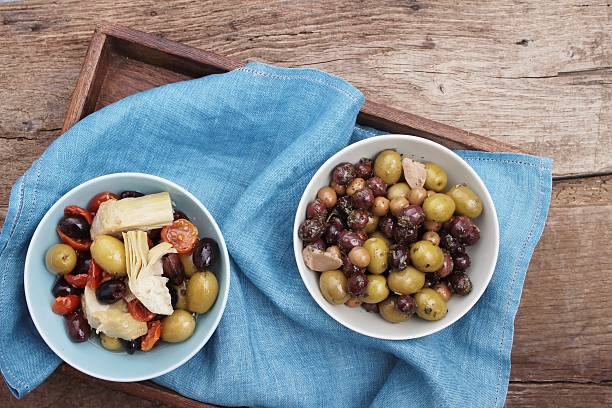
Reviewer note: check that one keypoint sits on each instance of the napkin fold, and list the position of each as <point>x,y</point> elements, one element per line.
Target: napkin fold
<point>246,143</point>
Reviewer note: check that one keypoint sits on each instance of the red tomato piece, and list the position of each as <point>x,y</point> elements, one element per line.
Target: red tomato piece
<point>76,210</point>
<point>94,275</point>
<point>182,235</point>
<point>66,304</point>
<point>99,198</point>
<point>153,334</point>
<point>77,281</point>
<point>139,311</point>
<point>77,244</point>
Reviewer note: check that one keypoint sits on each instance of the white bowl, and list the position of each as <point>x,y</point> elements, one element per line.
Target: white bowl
<point>483,254</point>
<point>89,357</point>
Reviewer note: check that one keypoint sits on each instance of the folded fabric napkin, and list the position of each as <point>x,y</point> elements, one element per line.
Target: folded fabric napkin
<point>246,143</point>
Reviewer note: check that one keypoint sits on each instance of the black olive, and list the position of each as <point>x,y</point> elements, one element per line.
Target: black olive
<point>78,327</point>
<point>173,294</point>
<point>205,254</point>
<point>63,288</point>
<point>74,226</point>
<point>173,268</point>
<point>179,215</point>
<point>111,291</point>
<point>132,345</point>
<point>130,194</point>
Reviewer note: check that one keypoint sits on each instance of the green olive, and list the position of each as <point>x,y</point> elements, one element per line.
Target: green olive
<point>426,257</point>
<point>110,343</point>
<point>202,291</point>
<point>398,190</point>
<point>109,254</point>
<point>181,293</point>
<point>377,289</point>
<point>430,305</point>
<point>188,265</point>
<point>379,254</point>
<point>334,287</point>
<point>177,327</point>
<point>438,207</point>
<point>466,201</point>
<point>436,177</point>
<point>389,312</point>
<point>378,234</point>
<point>388,166</point>
<point>406,281</point>
<point>372,224</point>
<point>61,259</point>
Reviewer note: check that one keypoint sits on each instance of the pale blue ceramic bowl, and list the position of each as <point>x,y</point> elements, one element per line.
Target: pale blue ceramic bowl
<point>89,357</point>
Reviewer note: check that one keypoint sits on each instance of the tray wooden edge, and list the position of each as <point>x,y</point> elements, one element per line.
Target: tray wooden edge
<point>170,54</point>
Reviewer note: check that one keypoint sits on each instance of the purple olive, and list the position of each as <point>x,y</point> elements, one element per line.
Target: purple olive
<point>451,244</point>
<point>462,262</point>
<point>310,230</point>
<point>386,225</point>
<point>78,327</point>
<point>332,232</point>
<point>111,291</point>
<point>173,294</point>
<point>348,268</point>
<point>405,235</point>
<point>447,266</point>
<point>317,244</point>
<point>460,283</point>
<point>344,205</point>
<point>464,229</point>
<point>363,198</point>
<point>358,219</point>
<point>173,269</point>
<point>364,169</point>
<point>399,257</point>
<point>63,288</point>
<point>411,216</point>
<point>377,185</point>
<point>206,251</point>
<point>362,235</point>
<point>74,226</point>
<point>357,284</point>
<point>316,209</point>
<point>347,240</point>
<point>431,279</point>
<point>343,173</point>
<point>370,307</point>
<point>406,304</point>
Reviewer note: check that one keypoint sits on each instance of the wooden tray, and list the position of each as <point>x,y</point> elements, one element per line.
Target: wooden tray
<point>121,61</point>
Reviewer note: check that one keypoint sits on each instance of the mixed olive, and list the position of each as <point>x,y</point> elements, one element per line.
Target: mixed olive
<point>394,235</point>
<point>92,289</point>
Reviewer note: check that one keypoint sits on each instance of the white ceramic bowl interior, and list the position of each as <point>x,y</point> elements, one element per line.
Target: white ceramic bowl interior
<point>483,254</point>
<point>89,357</point>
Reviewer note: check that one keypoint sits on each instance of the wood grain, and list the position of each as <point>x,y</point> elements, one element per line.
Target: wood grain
<point>535,74</point>
<point>529,83</point>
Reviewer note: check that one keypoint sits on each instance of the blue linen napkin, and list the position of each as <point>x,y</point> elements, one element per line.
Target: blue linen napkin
<point>246,144</point>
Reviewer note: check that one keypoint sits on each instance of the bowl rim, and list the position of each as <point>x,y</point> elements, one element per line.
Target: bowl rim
<point>223,291</point>
<point>299,217</point>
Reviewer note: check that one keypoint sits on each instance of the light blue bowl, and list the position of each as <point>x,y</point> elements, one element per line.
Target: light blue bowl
<point>89,357</point>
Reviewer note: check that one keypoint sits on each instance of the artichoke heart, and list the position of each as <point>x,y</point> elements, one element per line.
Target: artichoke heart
<point>140,213</point>
<point>144,270</point>
<point>112,320</point>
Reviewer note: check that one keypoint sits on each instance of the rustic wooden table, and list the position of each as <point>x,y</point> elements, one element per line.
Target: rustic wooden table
<point>537,74</point>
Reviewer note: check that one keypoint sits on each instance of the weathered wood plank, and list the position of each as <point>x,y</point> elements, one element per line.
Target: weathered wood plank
<point>556,395</point>
<point>527,82</point>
